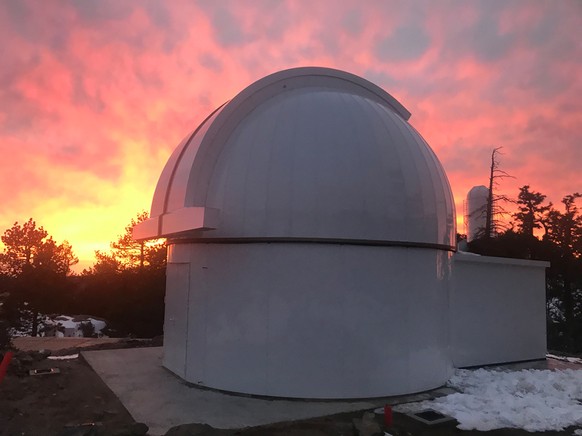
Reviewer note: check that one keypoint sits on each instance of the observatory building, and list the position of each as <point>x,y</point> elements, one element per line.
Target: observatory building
<point>311,233</point>
<point>476,213</point>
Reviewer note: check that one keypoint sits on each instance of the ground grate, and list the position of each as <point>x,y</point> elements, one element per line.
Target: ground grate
<point>430,417</point>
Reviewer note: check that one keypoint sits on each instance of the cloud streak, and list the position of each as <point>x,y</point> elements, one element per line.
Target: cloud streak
<point>95,95</point>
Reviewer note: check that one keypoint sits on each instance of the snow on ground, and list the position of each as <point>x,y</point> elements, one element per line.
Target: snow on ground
<point>71,325</point>
<point>488,399</point>
<point>565,358</point>
<point>66,357</point>
<point>67,325</point>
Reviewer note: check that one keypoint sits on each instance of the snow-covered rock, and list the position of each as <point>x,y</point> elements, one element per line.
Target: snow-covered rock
<point>70,326</point>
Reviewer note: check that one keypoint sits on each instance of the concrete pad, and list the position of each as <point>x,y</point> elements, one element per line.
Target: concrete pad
<point>161,400</point>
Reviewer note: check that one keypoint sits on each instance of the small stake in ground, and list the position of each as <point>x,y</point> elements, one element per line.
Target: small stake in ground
<point>388,416</point>
<point>4,365</point>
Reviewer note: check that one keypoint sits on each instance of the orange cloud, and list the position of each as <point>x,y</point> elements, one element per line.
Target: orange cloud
<point>97,94</point>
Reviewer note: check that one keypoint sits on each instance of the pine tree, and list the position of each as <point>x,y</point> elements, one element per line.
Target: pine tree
<point>531,210</point>
<point>36,265</point>
<point>127,253</point>
<point>565,228</point>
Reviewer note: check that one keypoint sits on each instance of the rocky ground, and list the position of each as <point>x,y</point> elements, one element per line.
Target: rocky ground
<point>60,403</point>
<point>75,402</point>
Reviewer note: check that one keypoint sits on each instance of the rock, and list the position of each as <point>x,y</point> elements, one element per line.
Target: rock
<point>122,430</point>
<point>367,426</point>
<point>139,429</point>
<point>40,355</point>
<point>16,367</point>
<point>24,358</point>
<point>135,429</point>
<point>197,430</point>
<point>81,430</point>
<point>398,432</point>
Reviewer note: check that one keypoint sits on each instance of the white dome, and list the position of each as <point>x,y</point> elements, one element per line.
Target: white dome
<point>306,153</point>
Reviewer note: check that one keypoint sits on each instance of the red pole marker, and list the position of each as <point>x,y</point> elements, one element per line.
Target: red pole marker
<point>4,364</point>
<point>388,416</point>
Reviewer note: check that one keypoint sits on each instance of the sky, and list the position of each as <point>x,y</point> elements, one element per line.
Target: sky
<point>95,95</point>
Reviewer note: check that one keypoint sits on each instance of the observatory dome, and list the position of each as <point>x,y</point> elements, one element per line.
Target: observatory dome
<point>310,236</point>
<point>307,154</point>
<point>310,243</point>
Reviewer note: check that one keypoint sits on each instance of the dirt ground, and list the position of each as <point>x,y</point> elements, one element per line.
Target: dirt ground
<point>76,402</point>
<point>53,404</point>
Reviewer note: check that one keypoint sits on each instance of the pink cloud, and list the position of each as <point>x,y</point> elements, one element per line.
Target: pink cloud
<point>97,94</point>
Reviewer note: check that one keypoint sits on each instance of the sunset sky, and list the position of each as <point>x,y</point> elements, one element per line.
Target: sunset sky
<point>95,95</point>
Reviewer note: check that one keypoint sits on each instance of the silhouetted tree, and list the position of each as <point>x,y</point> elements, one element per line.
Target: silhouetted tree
<point>127,285</point>
<point>106,263</point>
<point>531,210</point>
<point>22,244</point>
<point>494,200</point>
<point>127,253</point>
<point>5,339</point>
<point>565,228</point>
<point>36,265</point>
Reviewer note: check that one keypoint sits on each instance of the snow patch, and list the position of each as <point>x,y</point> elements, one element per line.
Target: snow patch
<point>565,358</point>
<point>533,400</point>
<point>555,310</point>
<point>67,357</point>
<point>57,325</point>
<point>70,326</point>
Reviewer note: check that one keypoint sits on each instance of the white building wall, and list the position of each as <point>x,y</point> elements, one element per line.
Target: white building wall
<point>498,310</point>
<point>311,320</point>
<point>176,317</point>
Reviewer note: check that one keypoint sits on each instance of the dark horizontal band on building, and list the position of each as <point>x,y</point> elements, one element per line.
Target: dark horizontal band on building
<point>334,241</point>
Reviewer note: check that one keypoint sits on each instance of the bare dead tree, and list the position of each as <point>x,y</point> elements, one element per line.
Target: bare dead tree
<point>494,201</point>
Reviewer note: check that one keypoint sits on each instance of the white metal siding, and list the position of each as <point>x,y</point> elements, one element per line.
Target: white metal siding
<point>176,317</point>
